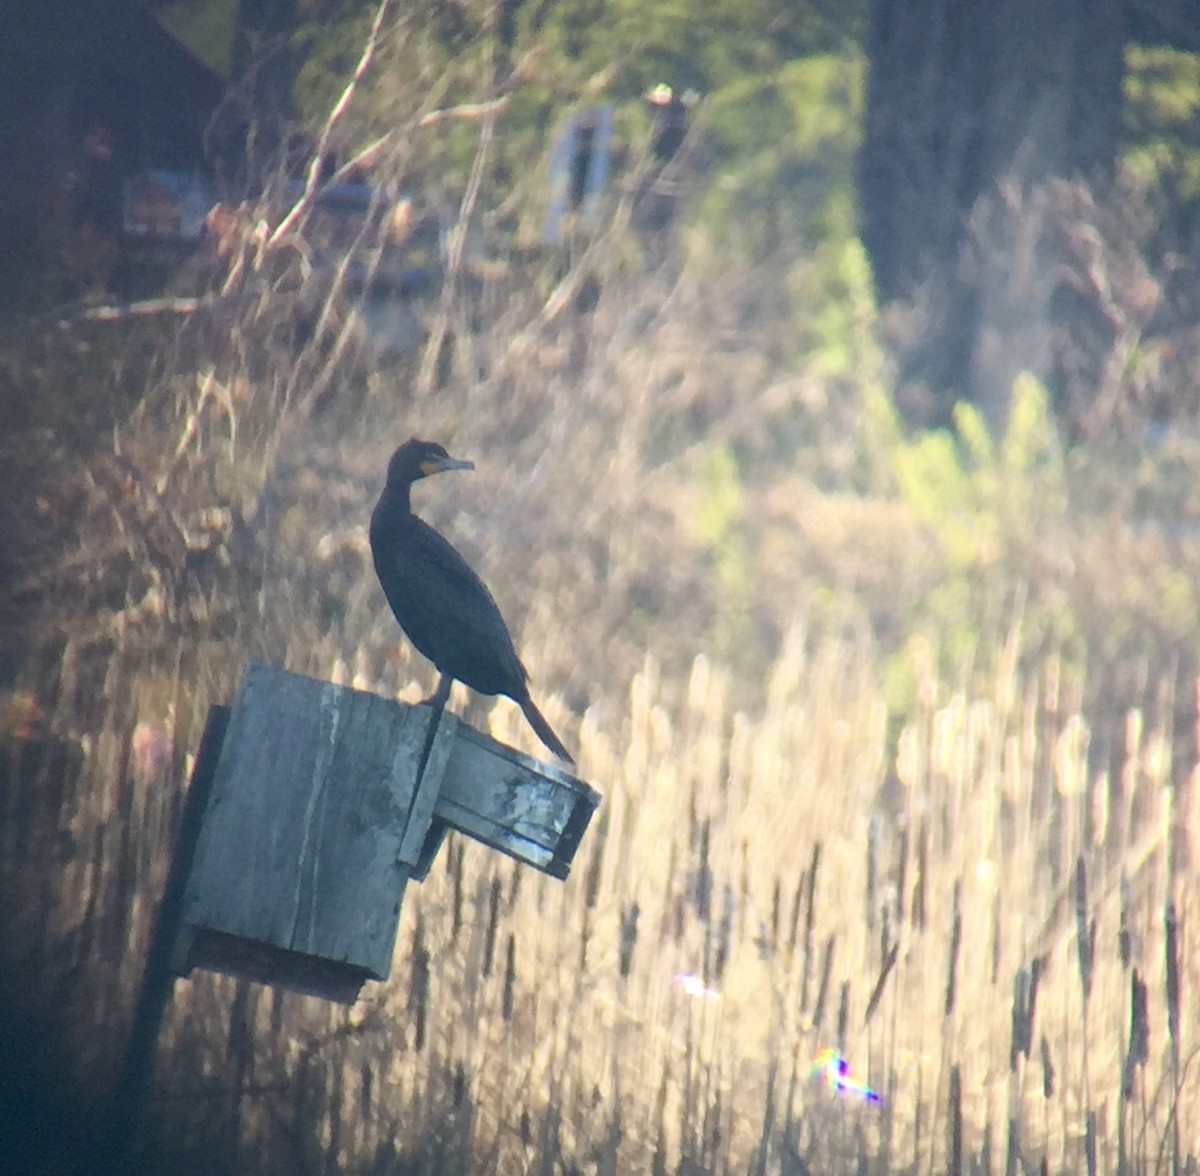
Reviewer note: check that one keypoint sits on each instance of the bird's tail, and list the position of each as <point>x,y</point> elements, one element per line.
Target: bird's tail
<point>544,731</point>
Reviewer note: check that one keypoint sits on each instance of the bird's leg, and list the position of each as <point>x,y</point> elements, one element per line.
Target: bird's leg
<point>441,695</point>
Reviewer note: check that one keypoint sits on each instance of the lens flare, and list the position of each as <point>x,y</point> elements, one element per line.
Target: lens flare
<point>833,1069</point>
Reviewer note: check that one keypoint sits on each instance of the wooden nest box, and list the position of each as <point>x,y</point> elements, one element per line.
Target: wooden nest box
<point>322,802</point>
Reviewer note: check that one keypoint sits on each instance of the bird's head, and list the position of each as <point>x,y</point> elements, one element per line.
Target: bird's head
<point>418,459</point>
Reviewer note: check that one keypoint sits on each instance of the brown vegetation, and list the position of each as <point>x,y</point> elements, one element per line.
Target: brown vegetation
<point>972,883</point>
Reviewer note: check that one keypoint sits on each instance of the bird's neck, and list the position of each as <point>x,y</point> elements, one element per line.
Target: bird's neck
<point>395,500</point>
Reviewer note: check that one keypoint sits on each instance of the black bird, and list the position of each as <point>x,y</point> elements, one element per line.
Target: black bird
<point>441,604</point>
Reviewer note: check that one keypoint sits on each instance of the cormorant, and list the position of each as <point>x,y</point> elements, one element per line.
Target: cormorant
<point>442,605</point>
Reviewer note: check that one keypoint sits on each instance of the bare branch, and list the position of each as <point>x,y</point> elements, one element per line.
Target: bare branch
<point>312,181</point>
<point>465,110</point>
<point>148,306</point>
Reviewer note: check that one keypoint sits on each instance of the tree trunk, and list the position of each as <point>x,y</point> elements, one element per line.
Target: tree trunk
<point>973,108</point>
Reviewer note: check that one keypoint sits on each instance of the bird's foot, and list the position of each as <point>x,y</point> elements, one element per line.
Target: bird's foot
<point>441,695</point>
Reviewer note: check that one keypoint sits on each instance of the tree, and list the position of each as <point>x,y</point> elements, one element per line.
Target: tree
<point>973,108</point>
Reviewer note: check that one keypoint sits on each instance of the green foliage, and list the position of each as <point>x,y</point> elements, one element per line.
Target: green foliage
<point>781,110</point>
<point>718,525</point>
<point>435,55</point>
<point>329,45</point>
<point>974,494</point>
<point>780,194</point>
<point>206,27</point>
<point>783,145</point>
<point>705,44</point>
<point>987,504</point>
<point>721,496</point>
<point>1162,120</point>
<point>838,334</point>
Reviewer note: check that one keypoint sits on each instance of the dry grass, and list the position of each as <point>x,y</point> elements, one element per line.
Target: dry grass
<point>775,855</point>
<point>902,885</point>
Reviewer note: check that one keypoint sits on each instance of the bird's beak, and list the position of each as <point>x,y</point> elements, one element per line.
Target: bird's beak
<point>439,465</point>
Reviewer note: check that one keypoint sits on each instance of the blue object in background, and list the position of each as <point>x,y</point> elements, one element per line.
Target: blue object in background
<point>579,163</point>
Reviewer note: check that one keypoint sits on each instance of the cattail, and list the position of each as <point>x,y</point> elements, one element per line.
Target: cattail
<point>1085,937</point>
<point>455,865</point>
<point>955,1124</point>
<point>1125,934</point>
<point>510,978</point>
<point>659,1163</point>
<point>996,917</point>
<point>776,903</point>
<point>673,920</point>
<point>823,989</point>
<point>704,876</point>
<point>585,935</point>
<point>418,992</point>
<point>762,1152</point>
<point>873,834</point>
<point>706,954</point>
<point>810,890</point>
<point>365,1086</point>
<point>955,942</point>
<point>489,940</point>
<point>627,938</point>
<point>1036,968</point>
<point>514,887</point>
<point>239,1045</point>
<point>713,1135</point>
<point>744,890</point>
<point>591,881</point>
<point>724,938</point>
<point>843,1016</point>
<point>1025,987</point>
<point>1012,1155</point>
<point>1139,1034</point>
<point>888,963</point>
<point>1172,928</point>
<point>918,897</point>
<point>1047,1070</point>
<point>797,903</point>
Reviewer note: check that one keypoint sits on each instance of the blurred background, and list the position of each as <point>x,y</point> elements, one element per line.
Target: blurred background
<point>830,371</point>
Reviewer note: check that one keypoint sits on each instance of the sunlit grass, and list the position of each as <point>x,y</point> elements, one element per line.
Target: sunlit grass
<point>712,822</point>
<point>851,789</point>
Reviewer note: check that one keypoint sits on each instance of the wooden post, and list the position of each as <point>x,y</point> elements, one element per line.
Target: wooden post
<point>115,1144</point>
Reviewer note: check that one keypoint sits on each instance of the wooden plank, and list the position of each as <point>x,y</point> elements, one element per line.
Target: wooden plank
<point>532,811</point>
<point>422,805</point>
<point>429,851</point>
<point>265,964</point>
<point>302,842</point>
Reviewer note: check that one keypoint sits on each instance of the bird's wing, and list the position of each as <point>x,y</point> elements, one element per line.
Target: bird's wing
<point>454,619</point>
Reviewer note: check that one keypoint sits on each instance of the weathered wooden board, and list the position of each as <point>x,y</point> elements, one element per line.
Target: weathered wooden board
<point>416,832</point>
<point>532,811</point>
<point>324,802</point>
<point>307,842</point>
